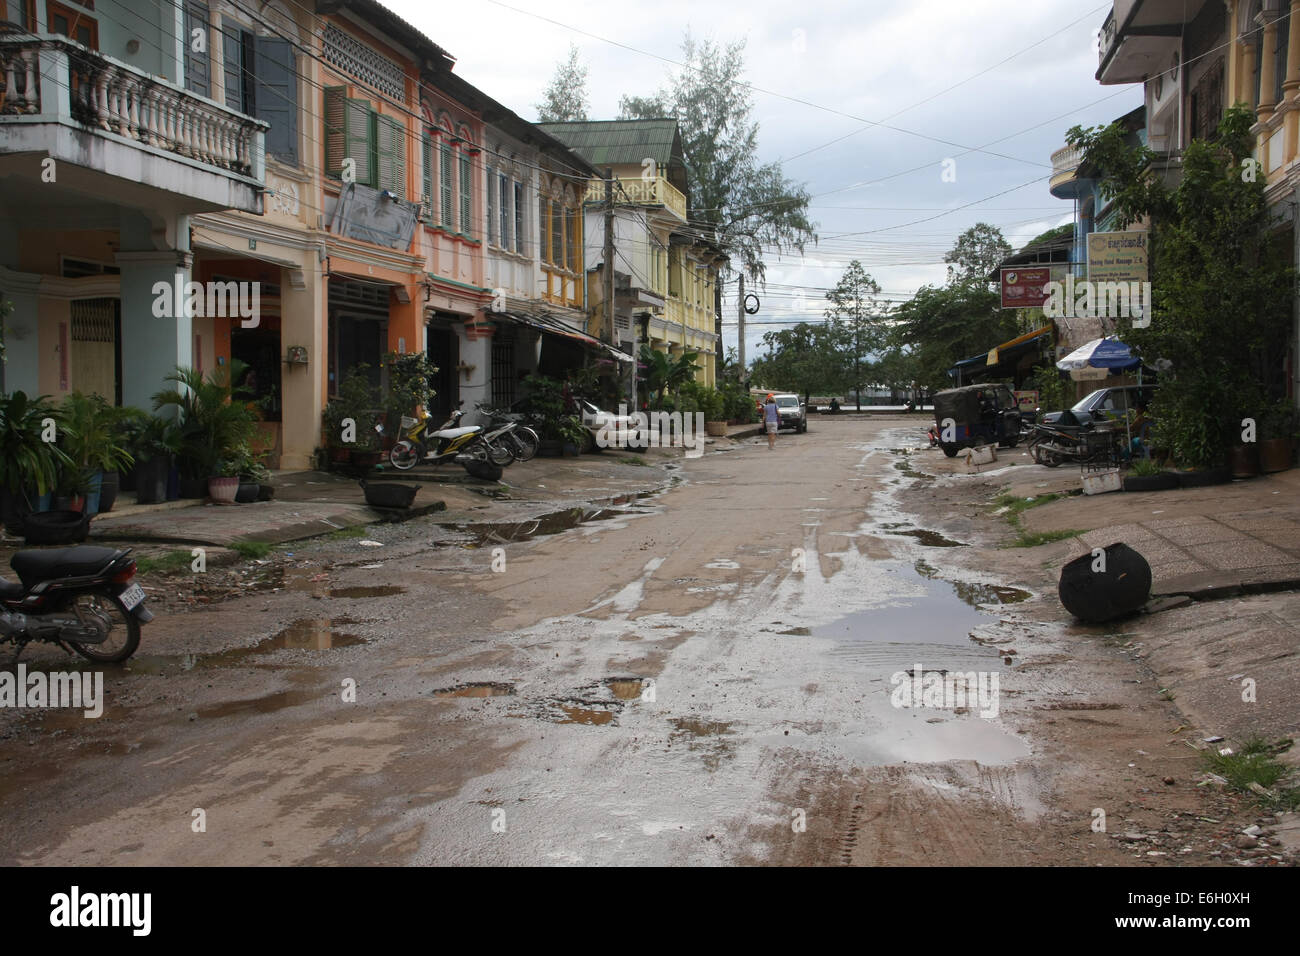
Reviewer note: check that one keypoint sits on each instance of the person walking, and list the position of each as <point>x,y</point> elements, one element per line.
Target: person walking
<point>772,419</point>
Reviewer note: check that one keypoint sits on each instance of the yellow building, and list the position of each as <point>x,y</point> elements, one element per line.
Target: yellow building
<point>665,269</point>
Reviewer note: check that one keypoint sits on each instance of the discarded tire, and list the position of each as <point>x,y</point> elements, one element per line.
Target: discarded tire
<point>1205,477</point>
<point>56,527</point>
<point>1161,482</point>
<point>384,494</point>
<point>1101,587</point>
<point>484,470</point>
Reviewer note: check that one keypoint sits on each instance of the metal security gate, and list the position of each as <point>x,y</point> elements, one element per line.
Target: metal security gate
<point>95,361</point>
<point>503,374</point>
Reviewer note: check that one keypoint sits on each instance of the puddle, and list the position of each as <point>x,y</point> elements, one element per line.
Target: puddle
<point>973,593</point>
<point>701,728</point>
<point>260,705</point>
<point>500,494</point>
<point>936,616</point>
<point>501,532</point>
<point>798,632</point>
<point>707,738</point>
<point>477,689</point>
<point>625,688</point>
<point>302,635</point>
<point>931,539</point>
<point>377,590</point>
<point>575,714</point>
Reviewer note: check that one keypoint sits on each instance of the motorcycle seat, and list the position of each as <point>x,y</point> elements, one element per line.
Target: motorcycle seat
<point>456,432</point>
<point>41,565</point>
<point>11,590</point>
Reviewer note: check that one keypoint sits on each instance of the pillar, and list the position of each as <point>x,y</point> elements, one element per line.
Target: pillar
<point>1291,85</point>
<point>1267,72</point>
<point>153,345</point>
<point>476,350</point>
<point>302,387</point>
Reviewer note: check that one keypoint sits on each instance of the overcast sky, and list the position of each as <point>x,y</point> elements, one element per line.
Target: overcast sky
<point>934,68</point>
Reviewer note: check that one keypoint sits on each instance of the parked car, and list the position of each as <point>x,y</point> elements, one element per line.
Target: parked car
<point>791,413</point>
<point>619,428</point>
<point>1105,404</point>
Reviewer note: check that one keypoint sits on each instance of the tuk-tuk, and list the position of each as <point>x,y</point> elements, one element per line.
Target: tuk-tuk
<point>976,415</point>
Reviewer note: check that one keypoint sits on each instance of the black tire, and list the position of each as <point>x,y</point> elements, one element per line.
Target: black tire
<point>499,453</point>
<point>950,450</point>
<point>405,454</point>
<point>101,605</point>
<point>483,470</point>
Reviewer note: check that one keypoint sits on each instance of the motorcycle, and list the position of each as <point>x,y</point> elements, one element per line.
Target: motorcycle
<point>1052,445</point>
<point>466,445</point>
<point>505,428</point>
<point>83,599</point>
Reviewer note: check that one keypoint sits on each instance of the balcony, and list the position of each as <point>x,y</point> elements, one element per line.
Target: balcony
<point>1140,37</point>
<point>656,191</point>
<point>1064,183</point>
<point>97,116</point>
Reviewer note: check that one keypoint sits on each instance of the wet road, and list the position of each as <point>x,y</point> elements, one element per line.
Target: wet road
<point>690,678</point>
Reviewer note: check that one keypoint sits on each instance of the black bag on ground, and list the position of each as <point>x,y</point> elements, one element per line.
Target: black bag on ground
<point>1120,586</point>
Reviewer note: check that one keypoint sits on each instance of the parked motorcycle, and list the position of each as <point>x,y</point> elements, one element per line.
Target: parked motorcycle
<point>466,445</point>
<point>1052,445</point>
<point>83,599</point>
<point>506,430</point>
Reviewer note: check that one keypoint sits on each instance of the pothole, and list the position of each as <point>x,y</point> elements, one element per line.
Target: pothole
<point>931,539</point>
<point>625,688</point>
<point>502,532</point>
<point>477,689</point>
<point>305,634</point>
<point>367,591</point>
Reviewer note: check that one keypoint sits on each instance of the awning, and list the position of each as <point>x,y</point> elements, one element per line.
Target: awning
<point>1006,353</point>
<point>553,326</point>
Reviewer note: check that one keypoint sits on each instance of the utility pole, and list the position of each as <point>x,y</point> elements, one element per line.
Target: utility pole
<point>609,257</point>
<point>740,315</point>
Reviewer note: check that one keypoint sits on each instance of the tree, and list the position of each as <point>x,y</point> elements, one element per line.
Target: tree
<point>745,205</point>
<point>565,100</point>
<point>1222,285</point>
<point>804,358</point>
<point>944,324</point>
<point>664,372</point>
<point>857,322</point>
<point>977,253</point>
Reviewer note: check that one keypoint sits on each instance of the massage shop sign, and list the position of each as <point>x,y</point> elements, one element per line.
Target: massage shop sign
<point>1117,257</point>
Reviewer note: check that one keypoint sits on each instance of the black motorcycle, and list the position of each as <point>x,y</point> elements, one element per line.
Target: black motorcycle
<point>83,599</point>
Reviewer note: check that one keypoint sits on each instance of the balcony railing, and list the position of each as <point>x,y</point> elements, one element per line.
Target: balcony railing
<point>656,191</point>
<point>56,79</point>
<point>1066,160</point>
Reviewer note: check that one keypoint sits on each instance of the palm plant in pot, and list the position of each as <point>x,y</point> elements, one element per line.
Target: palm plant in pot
<point>154,443</point>
<point>1279,431</point>
<point>91,440</point>
<point>29,464</point>
<point>212,427</point>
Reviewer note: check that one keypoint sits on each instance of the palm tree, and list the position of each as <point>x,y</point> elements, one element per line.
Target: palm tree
<point>664,371</point>
<point>212,427</point>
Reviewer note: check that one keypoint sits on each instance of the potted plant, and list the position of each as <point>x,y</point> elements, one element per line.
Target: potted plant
<point>70,491</point>
<point>153,447</point>
<point>574,436</point>
<point>212,427</point>
<point>350,417</point>
<point>546,412</point>
<point>29,465</point>
<point>713,405</point>
<point>223,484</point>
<point>1145,474</point>
<point>1279,429</point>
<point>410,385</point>
<point>91,439</point>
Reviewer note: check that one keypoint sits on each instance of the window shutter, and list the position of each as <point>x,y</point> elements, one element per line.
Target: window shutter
<point>426,188</point>
<point>466,195</point>
<point>444,181</point>
<point>519,217</point>
<point>335,148</point>
<point>543,227</point>
<point>232,60</point>
<point>198,65</point>
<point>490,203</point>
<point>275,85</point>
<point>358,138</point>
<point>391,150</point>
<point>503,198</point>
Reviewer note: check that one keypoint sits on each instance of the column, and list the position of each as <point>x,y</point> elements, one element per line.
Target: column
<point>1291,85</point>
<point>155,338</point>
<point>302,387</point>
<point>1267,74</point>
<point>476,350</point>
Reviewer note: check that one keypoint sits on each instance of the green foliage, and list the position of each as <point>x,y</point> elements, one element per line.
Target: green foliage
<point>565,100</point>
<point>694,397</point>
<point>977,253</point>
<point>546,406</point>
<point>665,372</point>
<point>1280,420</point>
<point>1145,468</point>
<point>751,208</point>
<point>410,383</point>
<point>251,549</point>
<point>942,325</point>
<point>1222,286</point>
<point>26,459</point>
<point>211,425</point>
<point>358,400</point>
<point>1053,387</point>
<point>858,327</point>
<point>91,434</point>
<point>804,358</point>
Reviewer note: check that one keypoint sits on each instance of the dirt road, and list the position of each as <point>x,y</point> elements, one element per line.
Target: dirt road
<point>710,675</point>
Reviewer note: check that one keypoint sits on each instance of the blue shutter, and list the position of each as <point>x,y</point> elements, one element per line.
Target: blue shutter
<point>198,64</point>
<point>275,96</point>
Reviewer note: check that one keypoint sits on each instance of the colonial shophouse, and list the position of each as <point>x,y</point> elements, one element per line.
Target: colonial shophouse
<point>325,152</point>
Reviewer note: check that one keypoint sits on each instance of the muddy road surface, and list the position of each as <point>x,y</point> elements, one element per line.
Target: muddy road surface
<point>707,675</point>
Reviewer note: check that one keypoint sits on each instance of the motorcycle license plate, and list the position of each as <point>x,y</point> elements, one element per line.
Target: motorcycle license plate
<point>131,597</point>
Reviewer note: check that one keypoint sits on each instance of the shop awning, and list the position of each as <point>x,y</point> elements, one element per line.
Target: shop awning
<point>1008,353</point>
<point>553,326</point>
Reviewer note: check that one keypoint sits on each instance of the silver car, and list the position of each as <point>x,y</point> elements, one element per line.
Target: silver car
<point>791,413</point>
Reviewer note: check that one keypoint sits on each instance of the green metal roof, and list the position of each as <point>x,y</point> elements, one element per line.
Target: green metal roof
<point>621,142</point>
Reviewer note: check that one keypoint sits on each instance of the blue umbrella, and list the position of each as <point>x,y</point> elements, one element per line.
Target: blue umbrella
<point>1108,353</point>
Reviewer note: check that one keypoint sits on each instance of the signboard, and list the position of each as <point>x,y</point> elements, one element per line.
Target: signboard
<point>1117,257</point>
<point>1026,399</point>
<point>1025,288</point>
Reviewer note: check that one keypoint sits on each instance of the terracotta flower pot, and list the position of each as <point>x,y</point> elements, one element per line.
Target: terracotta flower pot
<point>1276,454</point>
<point>1243,460</point>
<point>223,489</point>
